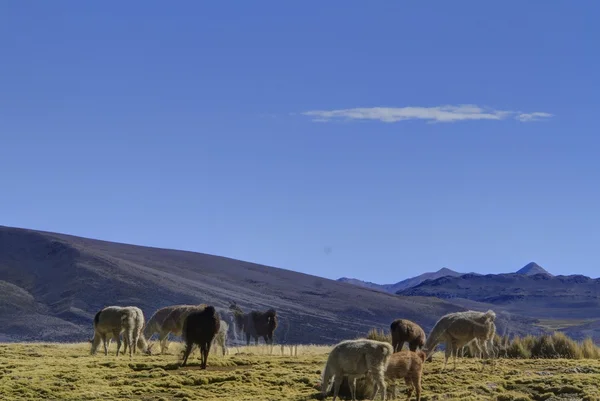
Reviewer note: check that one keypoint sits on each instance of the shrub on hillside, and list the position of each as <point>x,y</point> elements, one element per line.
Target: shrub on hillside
<point>518,349</point>
<point>379,335</point>
<point>566,347</point>
<point>556,345</point>
<point>589,349</point>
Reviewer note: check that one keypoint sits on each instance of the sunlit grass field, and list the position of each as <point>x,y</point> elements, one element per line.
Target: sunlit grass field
<point>67,372</point>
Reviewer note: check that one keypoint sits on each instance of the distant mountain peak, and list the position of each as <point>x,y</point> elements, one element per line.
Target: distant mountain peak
<point>532,268</point>
<point>447,271</point>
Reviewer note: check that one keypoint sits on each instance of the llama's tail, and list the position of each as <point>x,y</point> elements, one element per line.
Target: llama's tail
<point>97,318</point>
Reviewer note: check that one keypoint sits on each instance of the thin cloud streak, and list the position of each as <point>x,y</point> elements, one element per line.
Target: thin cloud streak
<point>439,114</point>
<point>537,116</point>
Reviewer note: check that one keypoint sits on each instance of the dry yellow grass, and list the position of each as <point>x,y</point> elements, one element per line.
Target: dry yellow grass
<point>67,372</point>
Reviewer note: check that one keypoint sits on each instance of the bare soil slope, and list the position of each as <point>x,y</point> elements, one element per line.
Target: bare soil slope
<point>52,285</point>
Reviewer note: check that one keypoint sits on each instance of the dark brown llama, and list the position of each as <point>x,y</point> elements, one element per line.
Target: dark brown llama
<point>407,331</point>
<point>200,328</point>
<point>255,324</point>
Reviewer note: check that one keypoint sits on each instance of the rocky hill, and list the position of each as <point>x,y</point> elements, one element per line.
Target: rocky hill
<point>51,285</point>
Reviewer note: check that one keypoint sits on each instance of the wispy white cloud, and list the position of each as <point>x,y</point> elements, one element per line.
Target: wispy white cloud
<point>538,115</point>
<point>438,114</point>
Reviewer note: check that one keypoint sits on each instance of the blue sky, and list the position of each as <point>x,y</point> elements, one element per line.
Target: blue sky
<point>361,139</point>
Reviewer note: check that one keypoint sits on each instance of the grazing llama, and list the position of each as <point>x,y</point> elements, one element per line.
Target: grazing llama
<point>169,320</point>
<point>354,359</point>
<point>255,324</point>
<point>200,328</point>
<point>460,329</point>
<point>407,365</point>
<point>406,331</point>
<point>435,336</point>
<point>111,321</point>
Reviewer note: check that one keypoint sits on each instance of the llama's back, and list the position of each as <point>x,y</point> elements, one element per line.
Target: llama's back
<point>463,330</point>
<point>358,356</point>
<point>109,319</point>
<point>154,324</point>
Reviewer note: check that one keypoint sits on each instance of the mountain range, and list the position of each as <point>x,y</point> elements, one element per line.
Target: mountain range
<point>51,285</point>
<point>404,284</point>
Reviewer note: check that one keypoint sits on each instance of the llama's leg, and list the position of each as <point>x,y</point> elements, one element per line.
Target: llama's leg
<point>409,387</point>
<point>162,338</point>
<point>247,339</point>
<point>486,354</point>
<point>378,378</point>
<point>400,346</point>
<point>480,352</point>
<point>136,335</point>
<point>118,338</point>
<point>206,352</point>
<point>447,354</point>
<point>337,382</point>
<point>417,385</point>
<point>202,348</point>
<point>125,345</point>
<point>413,346</point>
<point>455,355</point>
<point>105,344</point>
<point>352,385</point>
<point>130,337</point>
<point>186,354</point>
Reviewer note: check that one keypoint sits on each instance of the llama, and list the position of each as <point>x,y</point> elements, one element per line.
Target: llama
<point>221,337</point>
<point>406,331</point>
<point>477,353</point>
<point>111,321</point>
<point>154,325</point>
<point>169,320</point>
<point>435,336</point>
<point>461,329</point>
<point>199,328</point>
<point>407,365</point>
<point>354,359</point>
<point>255,324</point>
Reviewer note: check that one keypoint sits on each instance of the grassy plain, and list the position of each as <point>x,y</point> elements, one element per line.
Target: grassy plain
<point>67,372</point>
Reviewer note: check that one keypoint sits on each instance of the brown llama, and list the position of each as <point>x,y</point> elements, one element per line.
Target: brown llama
<point>255,324</point>
<point>406,331</point>
<point>407,365</point>
<point>200,328</point>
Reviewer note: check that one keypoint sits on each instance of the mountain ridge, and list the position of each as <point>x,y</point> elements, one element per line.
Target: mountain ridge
<point>403,284</point>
